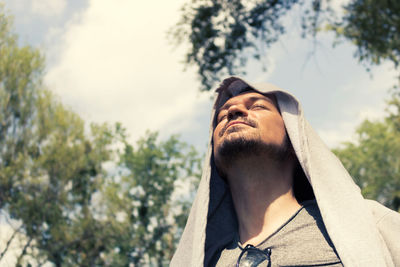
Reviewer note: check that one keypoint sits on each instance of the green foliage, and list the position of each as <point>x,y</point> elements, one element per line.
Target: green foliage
<point>48,167</point>
<point>77,199</point>
<point>218,31</point>
<point>223,34</point>
<point>374,159</point>
<point>374,27</point>
<point>142,200</point>
<point>20,73</point>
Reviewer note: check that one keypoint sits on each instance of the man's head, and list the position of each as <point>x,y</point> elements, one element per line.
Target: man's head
<point>249,124</point>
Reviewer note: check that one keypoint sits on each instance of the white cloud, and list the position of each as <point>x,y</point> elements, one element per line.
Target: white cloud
<point>15,246</point>
<point>367,103</point>
<point>48,7</point>
<point>344,131</point>
<point>338,5</point>
<point>115,64</point>
<point>15,4</point>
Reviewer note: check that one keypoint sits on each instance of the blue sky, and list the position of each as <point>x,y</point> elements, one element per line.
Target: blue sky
<point>110,61</point>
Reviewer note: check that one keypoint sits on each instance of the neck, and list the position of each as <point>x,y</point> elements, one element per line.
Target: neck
<point>263,197</point>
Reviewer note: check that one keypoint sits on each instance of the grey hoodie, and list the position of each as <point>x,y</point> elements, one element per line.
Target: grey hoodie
<point>364,232</point>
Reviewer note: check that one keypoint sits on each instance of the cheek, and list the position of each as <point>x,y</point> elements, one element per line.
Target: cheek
<point>275,130</point>
<point>281,131</point>
<point>215,138</point>
<point>216,132</point>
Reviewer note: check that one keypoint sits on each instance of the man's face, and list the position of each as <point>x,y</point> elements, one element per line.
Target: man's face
<point>249,120</point>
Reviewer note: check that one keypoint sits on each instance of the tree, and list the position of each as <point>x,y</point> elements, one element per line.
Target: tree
<point>77,199</point>
<point>20,76</point>
<point>145,203</point>
<point>223,34</point>
<point>55,198</point>
<point>43,150</point>
<point>374,27</point>
<point>373,160</point>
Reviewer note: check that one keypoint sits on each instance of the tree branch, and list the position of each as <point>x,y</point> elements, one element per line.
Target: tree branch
<point>23,252</point>
<point>9,242</point>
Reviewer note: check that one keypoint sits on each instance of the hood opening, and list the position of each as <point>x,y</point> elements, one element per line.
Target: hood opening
<point>301,186</point>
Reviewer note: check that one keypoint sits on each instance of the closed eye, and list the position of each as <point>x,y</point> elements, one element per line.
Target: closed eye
<point>258,106</point>
<point>221,117</point>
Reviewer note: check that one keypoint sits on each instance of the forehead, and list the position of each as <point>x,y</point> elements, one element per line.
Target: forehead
<point>248,96</point>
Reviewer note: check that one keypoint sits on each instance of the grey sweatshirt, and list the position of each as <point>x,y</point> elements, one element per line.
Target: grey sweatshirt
<point>364,232</point>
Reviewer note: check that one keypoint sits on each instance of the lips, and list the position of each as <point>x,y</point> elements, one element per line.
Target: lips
<point>235,123</point>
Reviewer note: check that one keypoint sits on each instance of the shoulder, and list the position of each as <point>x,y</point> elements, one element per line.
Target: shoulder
<point>383,215</point>
<point>388,224</point>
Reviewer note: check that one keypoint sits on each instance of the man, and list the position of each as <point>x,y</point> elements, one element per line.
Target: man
<point>255,204</point>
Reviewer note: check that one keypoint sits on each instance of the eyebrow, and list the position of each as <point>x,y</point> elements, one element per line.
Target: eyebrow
<point>252,99</point>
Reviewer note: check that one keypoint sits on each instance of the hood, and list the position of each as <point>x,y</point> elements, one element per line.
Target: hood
<point>347,218</point>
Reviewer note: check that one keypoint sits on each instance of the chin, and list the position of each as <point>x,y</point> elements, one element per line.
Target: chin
<point>237,146</point>
<point>232,135</point>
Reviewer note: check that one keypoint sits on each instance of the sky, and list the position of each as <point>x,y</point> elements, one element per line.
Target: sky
<point>110,61</point>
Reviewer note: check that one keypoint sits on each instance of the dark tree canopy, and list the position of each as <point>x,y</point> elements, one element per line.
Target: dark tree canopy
<point>374,27</point>
<point>224,34</point>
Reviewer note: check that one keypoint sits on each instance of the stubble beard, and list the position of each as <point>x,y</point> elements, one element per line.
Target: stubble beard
<point>242,148</point>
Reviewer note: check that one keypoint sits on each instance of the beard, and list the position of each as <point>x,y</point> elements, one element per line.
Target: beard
<point>240,148</point>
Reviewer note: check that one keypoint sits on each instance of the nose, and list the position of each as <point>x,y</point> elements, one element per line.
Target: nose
<point>236,111</point>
